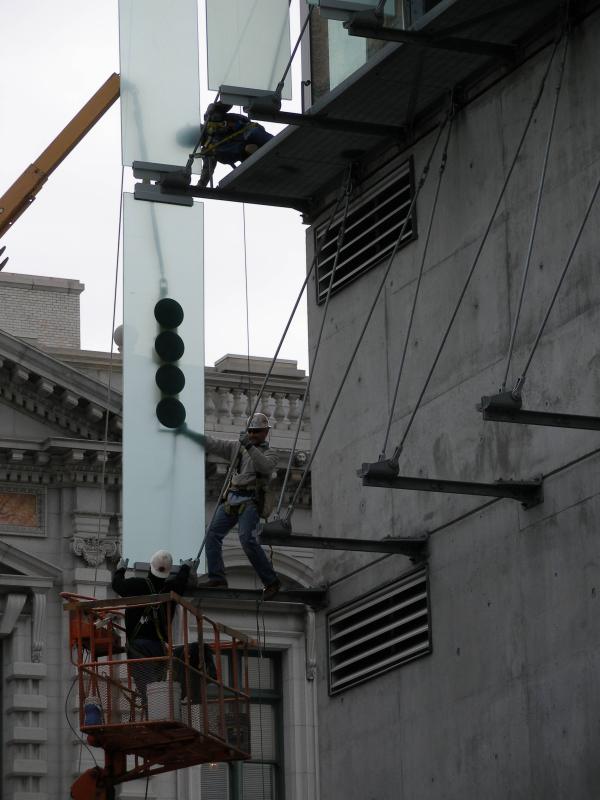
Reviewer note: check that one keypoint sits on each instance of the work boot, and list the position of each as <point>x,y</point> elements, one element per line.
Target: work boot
<point>271,590</point>
<point>205,582</point>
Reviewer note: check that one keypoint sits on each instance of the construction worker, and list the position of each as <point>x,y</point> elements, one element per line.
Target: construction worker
<point>242,501</point>
<point>228,138</point>
<point>146,629</point>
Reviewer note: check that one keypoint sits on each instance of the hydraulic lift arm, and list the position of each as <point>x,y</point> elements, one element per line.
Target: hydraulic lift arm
<point>23,191</point>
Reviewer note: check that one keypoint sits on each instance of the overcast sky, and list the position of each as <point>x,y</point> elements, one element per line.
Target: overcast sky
<point>54,56</point>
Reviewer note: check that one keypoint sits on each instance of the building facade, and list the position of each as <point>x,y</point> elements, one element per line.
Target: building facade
<point>60,500</point>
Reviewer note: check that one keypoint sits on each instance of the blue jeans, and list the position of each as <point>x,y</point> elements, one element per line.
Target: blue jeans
<point>248,526</point>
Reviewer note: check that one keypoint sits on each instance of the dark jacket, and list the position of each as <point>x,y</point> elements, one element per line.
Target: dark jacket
<point>150,622</point>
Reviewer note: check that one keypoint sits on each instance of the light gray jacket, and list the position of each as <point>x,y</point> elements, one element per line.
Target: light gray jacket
<point>255,461</point>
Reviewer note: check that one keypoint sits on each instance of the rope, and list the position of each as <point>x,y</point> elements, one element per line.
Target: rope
<point>419,279</point>
<point>340,241</point>
<point>398,450</point>
<point>110,374</point>
<point>535,215</point>
<point>521,380</point>
<point>273,361</point>
<point>384,278</point>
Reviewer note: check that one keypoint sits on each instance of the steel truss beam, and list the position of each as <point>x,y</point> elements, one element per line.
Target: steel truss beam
<point>384,475</point>
<point>504,407</point>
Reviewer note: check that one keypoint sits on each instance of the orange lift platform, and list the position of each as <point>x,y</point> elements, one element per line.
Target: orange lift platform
<point>163,713</point>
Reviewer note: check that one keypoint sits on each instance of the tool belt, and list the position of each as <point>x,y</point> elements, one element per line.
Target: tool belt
<point>239,508</point>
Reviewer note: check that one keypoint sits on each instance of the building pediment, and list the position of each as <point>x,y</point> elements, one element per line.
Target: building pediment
<point>62,397</point>
<point>21,570</point>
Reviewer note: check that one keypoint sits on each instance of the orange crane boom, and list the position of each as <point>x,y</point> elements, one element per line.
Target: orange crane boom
<point>23,191</point>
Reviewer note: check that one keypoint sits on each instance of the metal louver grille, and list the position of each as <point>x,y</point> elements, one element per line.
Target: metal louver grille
<point>372,229</point>
<point>378,632</point>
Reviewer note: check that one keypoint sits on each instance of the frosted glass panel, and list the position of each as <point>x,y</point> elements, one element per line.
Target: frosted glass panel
<point>160,94</point>
<point>346,53</point>
<point>163,473</point>
<point>248,43</point>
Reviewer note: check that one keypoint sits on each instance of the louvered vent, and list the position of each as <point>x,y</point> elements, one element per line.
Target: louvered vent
<point>372,228</point>
<point>378,632</point>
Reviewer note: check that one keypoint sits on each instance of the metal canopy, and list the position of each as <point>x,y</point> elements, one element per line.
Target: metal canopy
<point>402,85</point>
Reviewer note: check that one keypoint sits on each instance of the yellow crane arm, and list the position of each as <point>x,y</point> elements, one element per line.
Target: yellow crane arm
<point>23,191</point>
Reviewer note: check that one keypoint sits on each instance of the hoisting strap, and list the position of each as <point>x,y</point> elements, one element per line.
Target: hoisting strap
<point>384,278</point>
<point>471,272</point>
<point>536,213</point>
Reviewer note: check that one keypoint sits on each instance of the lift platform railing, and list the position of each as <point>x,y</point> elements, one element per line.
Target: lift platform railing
<point>188,704</point>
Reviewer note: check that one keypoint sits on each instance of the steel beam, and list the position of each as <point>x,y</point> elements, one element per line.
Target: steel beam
<point>413,547</point>
<point>326,123</point>
<point>383,475</point>
<point>316,598</point>
<point>418,39</point>
<point>166,183</point>
<point>504,407</point>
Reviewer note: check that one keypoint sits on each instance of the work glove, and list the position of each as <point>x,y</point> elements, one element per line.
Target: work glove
<point>192,563</point>
<point>245,440</point>
<point>122,563</point>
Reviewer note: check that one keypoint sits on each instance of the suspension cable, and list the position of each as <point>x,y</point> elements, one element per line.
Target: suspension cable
<point>274,359</point>
<point>384,278</point>
<point>417,287</point>
<point>109,384</point>
<point>521,380</point>
<point>340,241</point>
<point>398,450</point>
<point>280,85</point>
<point>536,214</point>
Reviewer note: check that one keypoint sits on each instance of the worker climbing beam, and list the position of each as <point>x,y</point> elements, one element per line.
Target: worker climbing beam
<point>384,474</point>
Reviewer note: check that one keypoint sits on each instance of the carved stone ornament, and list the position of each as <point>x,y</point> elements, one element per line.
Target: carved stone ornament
<point>94,550</point>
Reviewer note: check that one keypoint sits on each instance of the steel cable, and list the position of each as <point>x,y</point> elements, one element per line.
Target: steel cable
<point>398,450</point>
<point>535,215</point>
<point>418,286</point>
<point>340,241</point>
<point>384,278</point>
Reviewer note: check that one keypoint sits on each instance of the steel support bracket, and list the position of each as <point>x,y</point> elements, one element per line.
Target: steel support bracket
<point>415,547</point>
<point>504,407</point>
<point>170,183</point>
<point>366,25</point>
<point>326,123</point>
<point>529,493</point>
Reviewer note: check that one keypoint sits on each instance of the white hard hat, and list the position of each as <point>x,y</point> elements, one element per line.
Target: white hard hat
<point>258,422</point>
<point>161,563</point>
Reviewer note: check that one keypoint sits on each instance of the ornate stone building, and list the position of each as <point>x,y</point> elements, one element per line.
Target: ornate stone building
<point>60,485</point>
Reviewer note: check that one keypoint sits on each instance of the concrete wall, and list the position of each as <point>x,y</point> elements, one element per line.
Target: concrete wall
<point>45,311</point>
<point>507,705</point>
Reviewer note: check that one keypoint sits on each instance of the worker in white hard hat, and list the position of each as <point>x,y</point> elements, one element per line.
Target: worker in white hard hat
<point>242,501</point>
<point>146,627</point>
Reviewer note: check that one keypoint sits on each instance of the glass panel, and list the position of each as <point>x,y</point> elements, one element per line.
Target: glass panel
<point>233,29</point>
<point>160,94</point>
<point>163,474</point>
<point>262,732</point>
<point>258,782</point>
<point>214,781</point>
<point>346,53</point>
